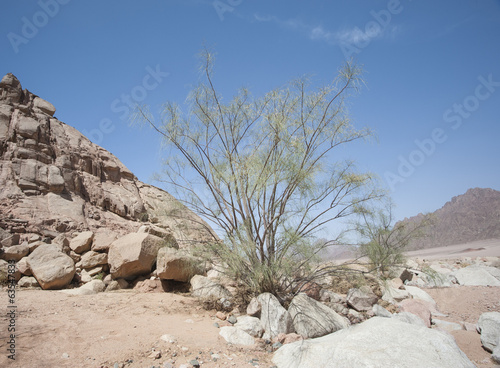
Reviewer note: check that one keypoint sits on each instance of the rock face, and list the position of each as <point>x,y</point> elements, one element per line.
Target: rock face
<point>50,169</point>
<point>52,268</point>
<point>377,342</point>
<point>313,319</point>
<point>133,254</point>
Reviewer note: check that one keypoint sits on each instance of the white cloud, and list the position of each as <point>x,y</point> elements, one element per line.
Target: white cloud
<point>354,35</point>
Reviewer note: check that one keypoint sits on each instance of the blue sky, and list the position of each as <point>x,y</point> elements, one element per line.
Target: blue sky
<point>432,73</point>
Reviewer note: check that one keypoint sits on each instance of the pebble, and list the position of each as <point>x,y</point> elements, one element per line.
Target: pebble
<point>194,363</point>
<point>65,356</point>
<point>232,320</point>
<point>216,325</point>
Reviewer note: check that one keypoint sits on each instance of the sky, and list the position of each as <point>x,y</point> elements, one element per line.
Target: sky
<point>431,72</point>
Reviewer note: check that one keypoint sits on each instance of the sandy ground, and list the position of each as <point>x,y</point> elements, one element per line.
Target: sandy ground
<point>481,248</point>
<point>107,328</point>
<point>57,330</point>
<point>54,329</point>
<point>466,304</point>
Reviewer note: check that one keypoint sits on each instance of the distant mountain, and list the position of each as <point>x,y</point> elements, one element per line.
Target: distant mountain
<point>472,216</point>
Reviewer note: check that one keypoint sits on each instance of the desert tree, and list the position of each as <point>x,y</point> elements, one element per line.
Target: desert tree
<point>264,172</point>
<point>382,241</point>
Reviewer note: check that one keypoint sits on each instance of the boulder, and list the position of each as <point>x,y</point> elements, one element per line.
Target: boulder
<point>133,255</point>
<point>5,270</point>
<point>92,259</point>
<point>377,342</point>
<point>236,336</point>
<point>254,307</point>
<point>102,241</point>
<point>475,276</point>
<point>82,242</point>
<point>489,326</point>
<point>313,319</point>
<point>10,240</point>
<point>178,265</point>
<point>118,284</point>
<point>52,268</point>
<point>496,354</point>
<point>27,281</point>
<point>361,300</point>
<point>23,267</point>
<point>251,325</point>
<point>417,307</point>
<point>97,286</point>
<point>90,288</point>
<point>161,233</point>
<point>380,311</point>
<point>205,288</point>
<point>274,318</point>
<point>329,296</point>
<point>420,294</point>
<point>393,295</point>
<point>16,252</point>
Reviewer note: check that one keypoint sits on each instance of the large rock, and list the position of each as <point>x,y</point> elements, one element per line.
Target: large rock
<point>275,319</point>
<point>52,268</point>
<point>475,276</point>
<point>82,242</point>
<point>178,265</point>
<point>377,342</point>
<point>251,325</point>
<point>489,326</point>
<point>313,319</point>
<point>92,259</point>
<point>27,281</point>
<point>420,294</point>
<point>133,255</point>
<point>204,288</point>
<point>16,252</point>
<point>236,336</point>
<point>361,300</point>
<point>103,240</point>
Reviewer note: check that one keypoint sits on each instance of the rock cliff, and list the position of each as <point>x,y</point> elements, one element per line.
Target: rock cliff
<point>53,179</point>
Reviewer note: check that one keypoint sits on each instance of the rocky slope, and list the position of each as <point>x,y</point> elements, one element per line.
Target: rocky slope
<point>53,179</point>
<point>472,216</point>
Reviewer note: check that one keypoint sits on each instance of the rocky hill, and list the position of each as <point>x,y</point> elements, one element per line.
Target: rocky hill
<point>54,180</point>
<point>472,216</point>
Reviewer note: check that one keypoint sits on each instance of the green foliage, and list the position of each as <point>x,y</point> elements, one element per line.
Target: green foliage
<point>383,242</point>
<point>261,171</point>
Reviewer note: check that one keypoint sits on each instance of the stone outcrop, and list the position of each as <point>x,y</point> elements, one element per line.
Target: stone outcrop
<point>50,169</point>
